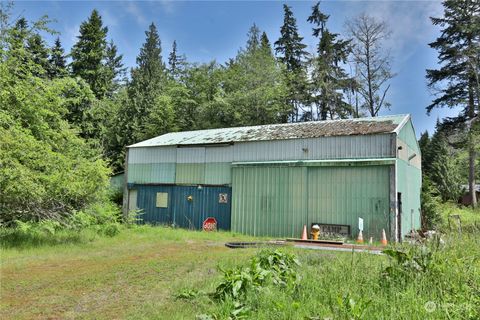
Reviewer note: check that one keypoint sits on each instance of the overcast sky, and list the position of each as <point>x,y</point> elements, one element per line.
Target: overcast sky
<point>207,31</point>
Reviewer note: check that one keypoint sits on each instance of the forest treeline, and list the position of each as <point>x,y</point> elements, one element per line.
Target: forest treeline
<point>66,118</point>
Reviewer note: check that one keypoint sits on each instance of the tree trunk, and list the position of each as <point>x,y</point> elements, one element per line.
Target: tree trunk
<point>471,173</point>
<point>471,144</point>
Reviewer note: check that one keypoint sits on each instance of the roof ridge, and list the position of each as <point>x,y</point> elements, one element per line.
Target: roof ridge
<point>281,131</point>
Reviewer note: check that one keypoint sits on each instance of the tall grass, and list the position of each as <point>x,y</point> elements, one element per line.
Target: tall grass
<point>470,218</point>
<point>100,219</point>
<point>431,281</point>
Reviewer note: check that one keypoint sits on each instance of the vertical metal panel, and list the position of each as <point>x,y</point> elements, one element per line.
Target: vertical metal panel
<point>268,200</point>
<point>117,181</point>
<point>342,147</point>
<point>151,173</point>
<point>409,178</point>
<point>132,199</point>
<point>180,211</point>
<point>278,201</point>
<point>218,173</point>
<point>407,135</point>
<point>146,201</point>
<point>152,155</point>
<point>219,154</point>
<point>409,184</point>
<point>190,173</point>
<point>340,195</point>
<point>204,204</point>
<point>191,155</point>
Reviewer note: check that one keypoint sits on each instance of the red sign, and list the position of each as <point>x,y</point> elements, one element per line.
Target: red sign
<point>210,224</point>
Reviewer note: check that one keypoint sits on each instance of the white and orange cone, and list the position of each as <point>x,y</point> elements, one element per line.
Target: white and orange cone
<point>384,238</point>
<point>360,237</point>
<point>304,233</point>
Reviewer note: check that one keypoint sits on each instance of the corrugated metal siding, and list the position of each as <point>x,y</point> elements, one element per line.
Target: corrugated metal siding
<point>372,146</point>
<point>190,173</point>
<point>204,204</point>
<point>409,178</point>
<point>152,155</point>
<point>407,135</point>
<point>409,183</point>
<point>190,155</point>
<point>218,173</point>
<point>278,201</point>
<point>180,211</point>
<point>151,173</point>
<point>211,165</point>
<point>146,201</point>
<point>342,195</point>
<point>219,154</point>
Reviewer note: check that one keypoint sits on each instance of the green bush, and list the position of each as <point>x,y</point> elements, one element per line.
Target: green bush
<point>47,171</point>
<point>99,219</point>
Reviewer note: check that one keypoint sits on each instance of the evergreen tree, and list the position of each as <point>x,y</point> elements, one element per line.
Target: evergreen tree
<point>265,44</point>
<point>425,148</point>
<point>89,52</point>
<point>115,71</point>
<point>292,55</point>
<point>146,93</point>
<point>457,78</point>
<point>177,64</point>
<point>329,79</point>
<point>253,42</point>
<point>57,61</point>
<point>443,170</point>
<point>39,52</point>
<point>253,83</point>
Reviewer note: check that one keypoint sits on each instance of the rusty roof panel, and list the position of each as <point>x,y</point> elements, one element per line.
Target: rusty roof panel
<point>299,130</point>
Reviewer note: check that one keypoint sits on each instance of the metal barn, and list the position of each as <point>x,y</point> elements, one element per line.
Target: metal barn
<point>271,180</point>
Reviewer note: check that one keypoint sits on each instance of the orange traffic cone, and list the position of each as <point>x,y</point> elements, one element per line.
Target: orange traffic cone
<point>384,238</point>
<point>360,237</point>
<point>304,233</point>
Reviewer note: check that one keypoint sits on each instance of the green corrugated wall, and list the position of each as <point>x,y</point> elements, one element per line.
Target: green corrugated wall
<point>278,201</point>
<point>409,181</point>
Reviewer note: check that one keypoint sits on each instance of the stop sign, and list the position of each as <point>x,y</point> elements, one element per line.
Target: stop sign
<point>210,224</point>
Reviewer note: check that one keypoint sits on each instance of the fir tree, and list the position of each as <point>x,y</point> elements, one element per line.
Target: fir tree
<point>176,63</point>
<point>265,43</point>
<point>57,61</point>
<point>38,52</point>
<point>457,79</point>
<point>443,170</point>
<point>89,52</point>
<point>329,79</point>
<point>146,91</point>
<point>292,54</point>
<point>115,73</point>
<point>253,42</point>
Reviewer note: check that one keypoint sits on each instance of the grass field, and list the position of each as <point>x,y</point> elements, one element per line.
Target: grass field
<point>139,273</point>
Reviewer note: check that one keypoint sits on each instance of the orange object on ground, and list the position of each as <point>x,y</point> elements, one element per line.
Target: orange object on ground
<point>304,233</point>
<point>384,238</point>
<point>360,237</point>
